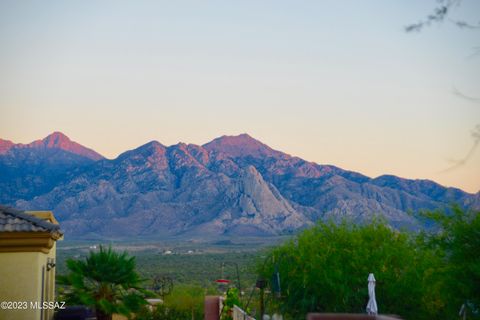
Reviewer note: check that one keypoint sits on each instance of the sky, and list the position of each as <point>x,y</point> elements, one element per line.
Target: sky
<point>334,82</point>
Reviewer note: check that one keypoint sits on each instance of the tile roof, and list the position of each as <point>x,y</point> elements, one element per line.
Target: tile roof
<point>12,220</point>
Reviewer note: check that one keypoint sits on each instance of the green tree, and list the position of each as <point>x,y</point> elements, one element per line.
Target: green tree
<point>325,269</point>
<point>231,300</point>
<point>188,299</point>
<point>105,280</point>
<point>456,240</point>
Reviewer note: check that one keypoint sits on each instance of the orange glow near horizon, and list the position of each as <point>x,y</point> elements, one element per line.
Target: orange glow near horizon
<point>364,95</point>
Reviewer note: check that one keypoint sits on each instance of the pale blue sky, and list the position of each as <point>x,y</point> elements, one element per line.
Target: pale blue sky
<point>335,82</point>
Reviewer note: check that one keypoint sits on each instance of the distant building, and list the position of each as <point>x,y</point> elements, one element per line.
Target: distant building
<point>27,263</point>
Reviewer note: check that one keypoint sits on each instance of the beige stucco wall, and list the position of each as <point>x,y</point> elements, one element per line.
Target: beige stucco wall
<point>21,280</point>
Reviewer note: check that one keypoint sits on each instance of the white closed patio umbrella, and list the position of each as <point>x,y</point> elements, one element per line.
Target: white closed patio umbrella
<point>372,303</point>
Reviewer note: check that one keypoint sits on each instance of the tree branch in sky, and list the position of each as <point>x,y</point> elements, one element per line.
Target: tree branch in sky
<point>439,14</point>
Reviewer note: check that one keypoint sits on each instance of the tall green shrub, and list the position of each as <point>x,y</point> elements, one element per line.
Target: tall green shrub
<point>456,240</point>
<point>325,269</point>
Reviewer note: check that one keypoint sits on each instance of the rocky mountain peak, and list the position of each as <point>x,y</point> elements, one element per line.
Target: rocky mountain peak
<point>239,146</point>
<point>55,140</point>
<point>58,140</point>
<point>183,155</point>
<point>5,145</point>
<point>152,153</point>
<point>152,147</point>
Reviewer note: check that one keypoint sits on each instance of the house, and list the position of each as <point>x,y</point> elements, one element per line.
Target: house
<point>27,264</point>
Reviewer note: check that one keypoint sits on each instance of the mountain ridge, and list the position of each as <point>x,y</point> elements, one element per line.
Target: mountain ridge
<point>28,170</point>
<point>55,140</point>
<point>233,185</point>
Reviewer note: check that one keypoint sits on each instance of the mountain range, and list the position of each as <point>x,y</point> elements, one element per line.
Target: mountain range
<point>231,186</point>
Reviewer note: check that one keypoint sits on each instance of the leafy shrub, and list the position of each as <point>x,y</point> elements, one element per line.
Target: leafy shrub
<point>184,302</point>
<point>325,269</point>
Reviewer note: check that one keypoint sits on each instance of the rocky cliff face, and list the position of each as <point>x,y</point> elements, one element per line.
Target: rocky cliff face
<point>230,186</point>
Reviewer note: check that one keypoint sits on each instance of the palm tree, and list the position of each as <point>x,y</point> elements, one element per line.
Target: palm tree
<point>105,280</point>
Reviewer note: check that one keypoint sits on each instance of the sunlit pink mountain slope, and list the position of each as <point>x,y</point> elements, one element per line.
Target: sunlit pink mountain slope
<point>233,185</point>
